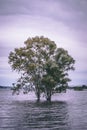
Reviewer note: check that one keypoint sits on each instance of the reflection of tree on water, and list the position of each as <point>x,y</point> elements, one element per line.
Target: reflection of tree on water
<point>26,115</point>
<point>43,115</point>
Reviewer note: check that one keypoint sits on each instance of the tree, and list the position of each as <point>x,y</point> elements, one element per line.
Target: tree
<point>56,77</point>
<point>43,67</point>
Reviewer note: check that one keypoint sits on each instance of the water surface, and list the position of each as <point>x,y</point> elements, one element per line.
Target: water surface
<point>67,111</point>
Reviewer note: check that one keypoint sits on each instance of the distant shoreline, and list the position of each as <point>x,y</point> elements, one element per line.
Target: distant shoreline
<point>5,87</point>
<point>76,88</point>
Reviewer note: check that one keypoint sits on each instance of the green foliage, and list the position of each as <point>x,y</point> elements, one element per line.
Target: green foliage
<point>43,67</point>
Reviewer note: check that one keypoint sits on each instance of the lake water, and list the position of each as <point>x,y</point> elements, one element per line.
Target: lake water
<point>67,111</point>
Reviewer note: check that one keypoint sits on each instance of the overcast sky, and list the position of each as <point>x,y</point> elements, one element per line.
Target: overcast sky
<point>64,21</point>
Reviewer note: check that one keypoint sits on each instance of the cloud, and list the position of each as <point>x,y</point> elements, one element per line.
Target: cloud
<point>20,28</point>
<point>78,78</point>
<point>70,13</point>
<point>65,10</point>
<point>4,63</point>
<point>28,7</point>
<point>7,76</point>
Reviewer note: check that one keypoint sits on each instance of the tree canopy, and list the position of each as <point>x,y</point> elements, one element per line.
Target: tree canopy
<point>43,67</point>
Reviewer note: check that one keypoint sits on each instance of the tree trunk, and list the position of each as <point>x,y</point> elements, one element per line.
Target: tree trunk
<point>38,95</point>
<point>48,98</point>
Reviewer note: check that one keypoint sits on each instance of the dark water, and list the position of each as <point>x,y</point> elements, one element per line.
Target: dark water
<point>66,112</point>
